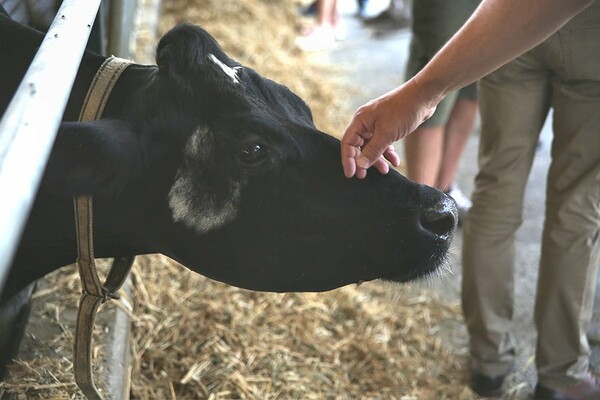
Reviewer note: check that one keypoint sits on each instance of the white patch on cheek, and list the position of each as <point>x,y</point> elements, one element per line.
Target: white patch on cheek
<point>231,72</point>
<point>197,146</point>
<point>207,214</point>
<point>191,200</point>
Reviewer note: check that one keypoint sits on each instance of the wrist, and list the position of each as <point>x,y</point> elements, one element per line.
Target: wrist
<point>429,92</point>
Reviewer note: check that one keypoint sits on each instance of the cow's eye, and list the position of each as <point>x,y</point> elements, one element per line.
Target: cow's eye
<point>253,154</point>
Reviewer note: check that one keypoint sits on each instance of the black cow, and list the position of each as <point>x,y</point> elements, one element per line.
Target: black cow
<point>206,161</point>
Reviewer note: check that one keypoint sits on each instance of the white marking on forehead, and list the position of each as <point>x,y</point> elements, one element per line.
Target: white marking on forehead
<point>231,72</point>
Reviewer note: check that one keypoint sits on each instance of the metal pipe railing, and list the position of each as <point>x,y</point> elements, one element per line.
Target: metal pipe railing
<point>29,125</point>
<point>121,24</point>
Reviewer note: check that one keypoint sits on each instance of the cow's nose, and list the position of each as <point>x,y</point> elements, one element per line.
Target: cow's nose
<point>440,219</point>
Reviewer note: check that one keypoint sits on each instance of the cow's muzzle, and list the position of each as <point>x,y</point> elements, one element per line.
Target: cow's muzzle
<point>441,218</point>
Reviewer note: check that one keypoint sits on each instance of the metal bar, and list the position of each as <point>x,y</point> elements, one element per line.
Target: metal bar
<point>28,128</point>
<point>121,21</point>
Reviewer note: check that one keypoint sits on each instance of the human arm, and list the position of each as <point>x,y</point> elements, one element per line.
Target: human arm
<point>497,32</point>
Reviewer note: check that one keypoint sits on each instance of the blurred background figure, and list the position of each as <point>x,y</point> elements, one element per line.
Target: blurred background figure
<point>433,153</point>
<point>368,9</point>
<point>326,30</point>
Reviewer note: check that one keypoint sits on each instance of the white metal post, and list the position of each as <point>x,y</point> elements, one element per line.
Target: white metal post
<point>29,125</point>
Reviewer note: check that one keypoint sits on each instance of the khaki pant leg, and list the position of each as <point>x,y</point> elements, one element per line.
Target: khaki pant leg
<point>514,104</point>
<point>570,243</point>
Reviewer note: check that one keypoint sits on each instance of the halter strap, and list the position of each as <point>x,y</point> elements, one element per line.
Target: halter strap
<point>94,292</point>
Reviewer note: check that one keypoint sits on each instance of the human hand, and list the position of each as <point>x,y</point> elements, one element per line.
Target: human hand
<point>376,125</point>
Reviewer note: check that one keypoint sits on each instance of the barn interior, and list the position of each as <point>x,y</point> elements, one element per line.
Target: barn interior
<point>177,335</point>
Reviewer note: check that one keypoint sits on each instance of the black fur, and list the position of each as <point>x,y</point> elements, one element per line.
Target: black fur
<point>289,222</point>
<point>130,160</point>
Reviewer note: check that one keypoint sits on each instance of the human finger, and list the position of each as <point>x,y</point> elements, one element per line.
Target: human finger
<point>382,166</point>
<point>361,173</point>
<point>348,160</point>
<point>374,148</point>
<point>391,155</point>
<point>351,146</point>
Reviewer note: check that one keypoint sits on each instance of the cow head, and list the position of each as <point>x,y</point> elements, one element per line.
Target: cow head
<point>234,181</point>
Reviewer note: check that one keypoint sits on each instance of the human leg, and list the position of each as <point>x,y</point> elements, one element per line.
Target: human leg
<point>514,102</point>
<point>325,32</point>
<point>433,151</point>
<point>327,13</point>
<point>423,153</point>
<point>570,242</point>
<point>423,149</point>
<point>457,131</point>
<point>432,158</point>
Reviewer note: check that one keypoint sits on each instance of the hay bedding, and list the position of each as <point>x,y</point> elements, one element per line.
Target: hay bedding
<point>196,338</point>
<point>199,339</point>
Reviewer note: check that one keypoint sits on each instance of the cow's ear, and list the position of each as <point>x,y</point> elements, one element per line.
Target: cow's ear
<point>190,57</point>
<point>99,157</point>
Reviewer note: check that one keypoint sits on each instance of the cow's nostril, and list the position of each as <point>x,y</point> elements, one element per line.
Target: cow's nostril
<point>440,223</point>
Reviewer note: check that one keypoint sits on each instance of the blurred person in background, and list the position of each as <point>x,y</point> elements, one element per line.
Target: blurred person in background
<point>433,154</point>
<point>327,28</point>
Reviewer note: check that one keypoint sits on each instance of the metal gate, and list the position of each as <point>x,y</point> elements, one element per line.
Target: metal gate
<point>28,127</point>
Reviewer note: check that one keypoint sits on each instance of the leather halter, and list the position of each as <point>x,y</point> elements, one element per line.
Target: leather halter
<point>94,292</point>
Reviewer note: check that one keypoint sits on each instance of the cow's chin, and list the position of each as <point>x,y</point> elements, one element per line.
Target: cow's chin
<point>421,274</point>
<point>306,267</point>
<point>436,266</point>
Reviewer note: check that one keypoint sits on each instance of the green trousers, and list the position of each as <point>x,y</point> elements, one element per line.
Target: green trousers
<point>562,73</point>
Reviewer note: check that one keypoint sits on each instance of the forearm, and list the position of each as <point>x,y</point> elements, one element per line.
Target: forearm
<point>498,31</point>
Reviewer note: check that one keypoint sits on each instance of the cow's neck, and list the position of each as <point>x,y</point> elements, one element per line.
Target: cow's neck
<point>49,240</point>
<point>120,226</point>
<point>129,88</point>
<point>21,43</point>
